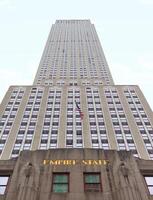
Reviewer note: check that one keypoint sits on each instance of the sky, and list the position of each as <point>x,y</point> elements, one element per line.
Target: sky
<point>125,29</point>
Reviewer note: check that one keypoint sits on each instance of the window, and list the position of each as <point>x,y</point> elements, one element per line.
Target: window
<point>92,182</point>
<point>149,182</point>
<point>60,182</point>
<point>3,183</point>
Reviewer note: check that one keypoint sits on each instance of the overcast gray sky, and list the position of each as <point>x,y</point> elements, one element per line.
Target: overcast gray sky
<point>125,28</point>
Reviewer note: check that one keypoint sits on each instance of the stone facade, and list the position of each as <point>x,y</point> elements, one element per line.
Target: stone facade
<point>121,175</point>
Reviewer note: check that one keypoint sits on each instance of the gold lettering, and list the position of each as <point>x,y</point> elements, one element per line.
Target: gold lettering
<point>105,162</point>
<point>89,162</point>
<point>95,162</point>
<point>74,162</point>
<point>84,162</point>
<point>69,162</point>
<point>46,162</point>
<point>53,162</point>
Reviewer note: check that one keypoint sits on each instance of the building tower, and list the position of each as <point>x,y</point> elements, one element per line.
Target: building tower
<point>74,102</point>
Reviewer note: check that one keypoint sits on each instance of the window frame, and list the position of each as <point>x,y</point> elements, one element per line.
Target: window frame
<point>148,175</point>
<point>99,183</point>
<point>68,181</point>
<point>2,174</point>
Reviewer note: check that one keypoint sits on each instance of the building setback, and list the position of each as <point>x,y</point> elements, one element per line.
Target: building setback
<point>77,174</point>
<point>85,136</point>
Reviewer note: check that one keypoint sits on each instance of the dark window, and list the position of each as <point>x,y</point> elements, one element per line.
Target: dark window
<point>94,141</point>
<point>30,131</point>
<point>127,132</point>
<point>17,103</point>
<point>37,103</point>
<point>15,152</point>
<point>35,109</point>
<point>119,108</point>
<point>69,132</point>
<point>5,132</point>
<point>114,116</point>
<point>29,103</point>
<point>118,131</point>
<point>111,108</point>
<point>146,141</point>
<point>79,132</point>
<point>18,142</point>
<point>21,132</point>
<point>70,109</point>
<point>56,109</point>
<point>120,141</point>
<point>28,141</point>
<point>149,182</point>
<point>92,123</point>
<point>50,102</point>
<point>60,182</point>
<point>44,141</point>
<point>32,123</point>
<point>1,123</point>
<point>136,115</point>
<point>79,141</point>
<point>91,109</point>
<point>140,108</point>
<point>3,183</point>
<point>2,141</point>
<point>4,116</point>
<point>46,123</point>
<point>56,116</point>
<point>7,109</point>
<point>23,123</point>
<point>52,141</point>
<point>101,123</point>
<point>139,123</point>
<point>150,151</point>
<point>54,132</point>
<point>124,123</point>
<point>115,123</point>
<point>100,116</point>
<point>69,116</point>
<point>150,131</point>
<point>91,116</point>
<point>104,141</point>
<point>47,116</point>
<point>28,109</point>
<point>78,123</point>
<point>102,131</point>
<point>12,116</point>
<point>142,131</point>
<point>45,132</point>
<point>93,131</point>
<point>34,116</point>
<point>69,123</point>
<point>14,109</point>
<point>147,123</point>
<point>69,142</point>
<point>130,141</point>
<point>122,116</point>
<point>92,182</point>
<point>26,116</point>
<point>49,109</point>
<point>98,109</point>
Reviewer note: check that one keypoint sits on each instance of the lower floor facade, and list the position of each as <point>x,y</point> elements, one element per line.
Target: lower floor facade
<point>76,174</point>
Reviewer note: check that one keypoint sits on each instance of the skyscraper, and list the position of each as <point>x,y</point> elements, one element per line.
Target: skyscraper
<point>73,102</point>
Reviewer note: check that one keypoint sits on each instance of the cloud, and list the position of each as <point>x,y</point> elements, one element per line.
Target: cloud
<point>137,73</point>
<point>17,76</point>
<point>7,3</point>
<point>147,2</point>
